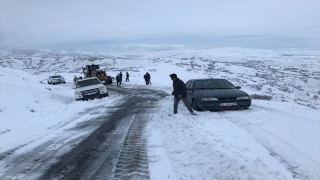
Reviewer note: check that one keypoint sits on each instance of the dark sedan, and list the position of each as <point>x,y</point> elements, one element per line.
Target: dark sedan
<point>215,94</point>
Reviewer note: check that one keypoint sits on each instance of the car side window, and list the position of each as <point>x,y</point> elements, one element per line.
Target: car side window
<point>191,85</point>
<point>187,84</point>
<point>198,85</point>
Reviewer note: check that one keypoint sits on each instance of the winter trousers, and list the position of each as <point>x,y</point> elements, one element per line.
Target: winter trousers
<point>118,83</point>
<point>185,101</point>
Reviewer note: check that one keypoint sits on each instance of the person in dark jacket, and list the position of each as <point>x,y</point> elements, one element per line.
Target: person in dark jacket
<point>179,92</point>
<point>121,75</point>
<point>147,78</point>
<point>127,76</point>
<point>118,79</point>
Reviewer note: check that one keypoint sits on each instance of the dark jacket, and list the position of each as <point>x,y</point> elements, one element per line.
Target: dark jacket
<point>146,77</point>
<point>179,88</point>
<point>118,78</point>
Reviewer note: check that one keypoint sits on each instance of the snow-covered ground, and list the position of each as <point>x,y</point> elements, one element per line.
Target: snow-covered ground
<point>277,138</point>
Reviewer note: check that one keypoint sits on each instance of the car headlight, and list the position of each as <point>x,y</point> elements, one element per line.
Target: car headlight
<point>78,93</point>
<point>102,90</point>
<point>243,97</point>
<point>209,99</point>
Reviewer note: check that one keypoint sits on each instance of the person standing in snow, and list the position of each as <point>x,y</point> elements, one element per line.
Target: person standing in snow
<point>179,92</point>
<point>118,79</point>
<point>127,76</point>
<point>75,79</point>
<point>121,75</point>
<point>147,78</point>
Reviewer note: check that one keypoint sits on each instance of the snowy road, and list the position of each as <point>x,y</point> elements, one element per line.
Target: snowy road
<point>130,135</point>
<point>119,143</point>
<point>105,147</point>
<point>135,138</point>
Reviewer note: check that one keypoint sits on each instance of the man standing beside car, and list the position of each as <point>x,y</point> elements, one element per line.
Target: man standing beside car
<point>179,92</point>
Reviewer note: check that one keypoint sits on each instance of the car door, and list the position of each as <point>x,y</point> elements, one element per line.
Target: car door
<point>189,91</point>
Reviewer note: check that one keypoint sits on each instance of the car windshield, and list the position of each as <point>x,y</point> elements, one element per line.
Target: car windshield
<point>56,76</point>
<point>88,82</point>
<point>213,84</point>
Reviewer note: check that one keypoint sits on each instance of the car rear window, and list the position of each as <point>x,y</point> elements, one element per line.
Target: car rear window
<point>88,82</point>
<point>56,76</point>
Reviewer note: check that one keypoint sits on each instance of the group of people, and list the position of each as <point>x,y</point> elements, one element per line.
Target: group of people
<point>179,90</point>
<point>146,77</point>
<point>119,78</point>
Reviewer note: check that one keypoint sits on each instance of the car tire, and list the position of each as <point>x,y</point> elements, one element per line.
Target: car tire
<point>64,82</point>
<point>246,108</point>
<point>195,105</point>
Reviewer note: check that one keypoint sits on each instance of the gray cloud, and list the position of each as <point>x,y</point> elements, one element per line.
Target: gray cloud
<point>64,24</point>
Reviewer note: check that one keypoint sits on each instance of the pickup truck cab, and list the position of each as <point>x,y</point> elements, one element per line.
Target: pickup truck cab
<point>89,88</point>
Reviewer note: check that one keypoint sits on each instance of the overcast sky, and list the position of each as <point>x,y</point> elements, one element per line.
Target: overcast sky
<point>59,24</point>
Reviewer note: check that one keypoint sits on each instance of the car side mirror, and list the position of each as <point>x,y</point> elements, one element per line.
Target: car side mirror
<point>238,87</point>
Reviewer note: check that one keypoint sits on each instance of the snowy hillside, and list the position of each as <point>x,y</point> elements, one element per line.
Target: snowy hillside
<point>276,138</point>
<point>285,75</point>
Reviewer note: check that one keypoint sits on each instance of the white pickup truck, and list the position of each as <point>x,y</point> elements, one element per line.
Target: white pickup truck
<point>56,79</point>
<point>90,88</point>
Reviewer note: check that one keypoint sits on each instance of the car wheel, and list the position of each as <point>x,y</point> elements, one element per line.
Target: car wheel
<point>195,105</point>
<point>64,82</point>
<point>246,108</point>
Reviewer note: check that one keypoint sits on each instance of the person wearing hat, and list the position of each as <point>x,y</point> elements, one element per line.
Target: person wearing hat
<point>179,92</point>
